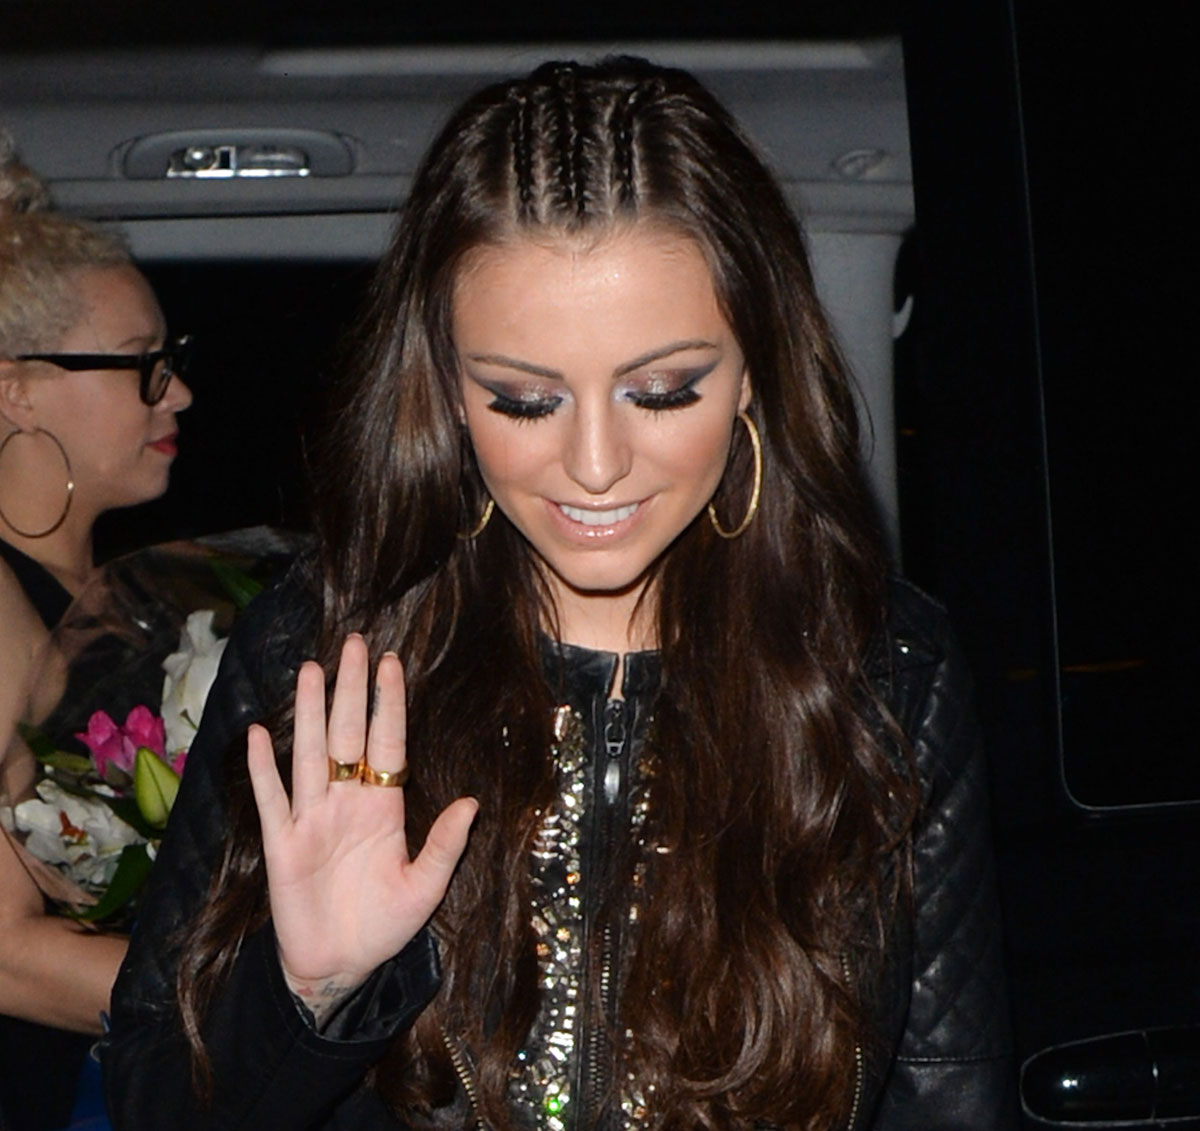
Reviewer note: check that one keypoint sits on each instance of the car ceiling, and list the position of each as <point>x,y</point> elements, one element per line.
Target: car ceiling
<point>830,115</point>
<point>63,24</point>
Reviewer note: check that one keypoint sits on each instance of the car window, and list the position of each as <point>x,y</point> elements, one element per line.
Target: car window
<point>268,337</point>
<point>1109,131</point>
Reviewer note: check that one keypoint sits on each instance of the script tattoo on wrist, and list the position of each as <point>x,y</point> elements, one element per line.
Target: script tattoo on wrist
<point>322,997</point>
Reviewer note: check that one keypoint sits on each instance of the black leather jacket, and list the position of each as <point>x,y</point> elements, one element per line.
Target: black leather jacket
<point>941,1003</point>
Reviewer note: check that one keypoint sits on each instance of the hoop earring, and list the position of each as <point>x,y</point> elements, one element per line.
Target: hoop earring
<point>477,530</point>
<point>70,486</point>
<point>755,494</point>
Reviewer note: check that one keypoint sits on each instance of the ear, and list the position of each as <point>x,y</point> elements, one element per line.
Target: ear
<point>15,406</point>
<point>746,395</point>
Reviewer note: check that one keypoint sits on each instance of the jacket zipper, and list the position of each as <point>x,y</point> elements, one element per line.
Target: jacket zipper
<point>462,1069</point>
<point>611,748</point>
<point>859,1067</point>
<point>616,736</point>
<point>613,743</point>
<point>858,1088</point>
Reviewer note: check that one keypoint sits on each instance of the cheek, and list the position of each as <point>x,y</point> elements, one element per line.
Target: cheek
<point>117,429</point>
<point>697,454</point>
<point>111,441</point>
<point>487,445</point>
<point>506,453</point>
<point>101,410</point>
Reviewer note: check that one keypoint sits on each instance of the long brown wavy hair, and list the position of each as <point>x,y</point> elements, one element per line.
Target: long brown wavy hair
<point>779,793</point>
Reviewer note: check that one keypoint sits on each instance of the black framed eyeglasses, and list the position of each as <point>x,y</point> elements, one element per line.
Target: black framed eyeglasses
<point>155,368</point>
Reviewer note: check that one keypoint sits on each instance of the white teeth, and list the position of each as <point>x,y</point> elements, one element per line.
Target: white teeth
<point>597,518</point>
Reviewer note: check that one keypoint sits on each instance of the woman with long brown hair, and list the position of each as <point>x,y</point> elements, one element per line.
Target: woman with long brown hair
<point>644,798</point>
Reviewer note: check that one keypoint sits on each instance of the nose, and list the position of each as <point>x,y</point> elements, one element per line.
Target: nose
<point>598,454</point>
<point>177,397</point>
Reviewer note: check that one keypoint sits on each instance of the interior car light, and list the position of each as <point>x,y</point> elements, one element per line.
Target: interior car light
<point>222,154</point>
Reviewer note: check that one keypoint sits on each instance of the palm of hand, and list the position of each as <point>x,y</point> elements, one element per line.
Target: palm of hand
<point>344,894</point>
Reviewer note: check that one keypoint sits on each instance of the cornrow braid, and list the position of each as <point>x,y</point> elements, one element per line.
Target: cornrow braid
<point>571,170</point>
<point>522,153</point>
<point>621,125</point>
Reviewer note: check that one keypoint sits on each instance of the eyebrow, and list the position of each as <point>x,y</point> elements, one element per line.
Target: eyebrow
<point>628,367</point>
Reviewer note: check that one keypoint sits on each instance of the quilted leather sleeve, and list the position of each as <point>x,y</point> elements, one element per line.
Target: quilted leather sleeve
<point>270,1067</point>
<point>953,1069</point>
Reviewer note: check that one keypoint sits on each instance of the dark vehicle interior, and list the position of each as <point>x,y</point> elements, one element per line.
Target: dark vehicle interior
<point>996,199</point>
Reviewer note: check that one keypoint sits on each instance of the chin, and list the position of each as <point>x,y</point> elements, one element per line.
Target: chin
<point>147,494</point>
<point>601,582</point>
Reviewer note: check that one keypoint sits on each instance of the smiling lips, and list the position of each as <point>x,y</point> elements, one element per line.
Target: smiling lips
<point>598,518</point>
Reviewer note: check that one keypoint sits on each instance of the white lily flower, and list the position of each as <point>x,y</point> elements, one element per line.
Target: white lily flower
<point>190,674</point>
<point>81,833</point>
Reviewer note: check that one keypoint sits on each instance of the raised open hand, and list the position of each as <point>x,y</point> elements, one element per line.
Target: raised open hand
<point>344,894</point>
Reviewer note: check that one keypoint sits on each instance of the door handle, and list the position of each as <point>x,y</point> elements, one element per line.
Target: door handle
<point>1145,1076</point>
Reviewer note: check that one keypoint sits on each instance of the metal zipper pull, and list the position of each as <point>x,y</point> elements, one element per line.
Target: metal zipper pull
<point>614,745</point>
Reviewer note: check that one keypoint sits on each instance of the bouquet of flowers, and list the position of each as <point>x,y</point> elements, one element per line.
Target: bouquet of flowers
<point>142,644</point>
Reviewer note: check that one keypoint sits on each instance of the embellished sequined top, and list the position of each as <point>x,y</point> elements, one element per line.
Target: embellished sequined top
<point>563,1077</point>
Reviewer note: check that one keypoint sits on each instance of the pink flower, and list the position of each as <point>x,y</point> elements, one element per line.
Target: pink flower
<point>117,746</point>
<point>106,741</point>
<point>145,728</point>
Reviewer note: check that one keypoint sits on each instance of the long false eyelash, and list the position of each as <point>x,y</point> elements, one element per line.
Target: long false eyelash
<point>523,410</point>
<point>664,402</point>
<point>679,397</point>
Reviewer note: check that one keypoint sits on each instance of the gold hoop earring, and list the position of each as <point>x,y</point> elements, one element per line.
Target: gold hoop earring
<point>70,486</point>
<point>477,530</point>
<point>755,494</point>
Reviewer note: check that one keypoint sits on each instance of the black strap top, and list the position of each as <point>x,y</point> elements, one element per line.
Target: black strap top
<point>39,1066</point>
<point>45,592</point>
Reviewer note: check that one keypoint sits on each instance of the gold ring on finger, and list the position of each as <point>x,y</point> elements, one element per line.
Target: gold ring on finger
<point>395,778</point>
<point>345,771</point>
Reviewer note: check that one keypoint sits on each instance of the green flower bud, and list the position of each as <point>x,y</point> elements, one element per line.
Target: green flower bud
<point>155,785</point>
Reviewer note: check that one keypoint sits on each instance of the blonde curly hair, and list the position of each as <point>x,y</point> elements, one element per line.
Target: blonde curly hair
<point>40,249</point>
